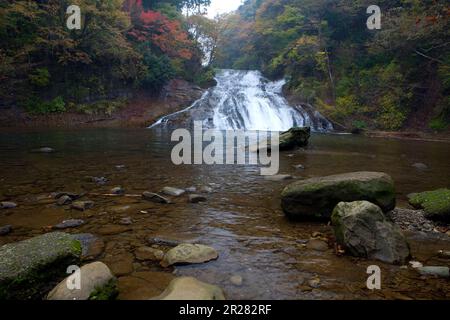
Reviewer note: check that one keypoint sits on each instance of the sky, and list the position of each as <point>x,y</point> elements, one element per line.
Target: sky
<point>222,6</point>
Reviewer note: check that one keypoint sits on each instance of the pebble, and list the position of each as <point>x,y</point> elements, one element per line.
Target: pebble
<point>169,191</point>
<point>44,150</point>
<point>82,205</point>
<point>98,180</point>
<point>195,198</point>
<point>67,224</point>
<point>299,167</point>
<point>5,230</point>
<point>444,254</point>
<point>314,283</point>
<point>206,190</point>
<point>191,189</point>
<point>118,190</point>
<point>236,280</point>
<point>420,166</point>
<point>126,221</point>
<point>64,200</point>
<point>153,197</point>
<point>415,264</point>
<point>7,205</point>
<point>279,177</point>
<point>149,254</point>
<point>412,220</point>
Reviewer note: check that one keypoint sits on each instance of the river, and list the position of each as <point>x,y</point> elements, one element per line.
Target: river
<point>242,218</point>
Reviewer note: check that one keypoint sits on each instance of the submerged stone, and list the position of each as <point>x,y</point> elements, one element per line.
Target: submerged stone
<point>27,266</point>
<point>156,198</point>
<point>82,205</point>
<point>173,191</point>
<point>5,230</point>
<point>7,205</point>
<point>189,254</point>
<point>187,288</point>
<point>67,224</point>
<point>317,197</point>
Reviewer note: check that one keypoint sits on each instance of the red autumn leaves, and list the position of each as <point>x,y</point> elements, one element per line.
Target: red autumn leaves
<point>165,34</point>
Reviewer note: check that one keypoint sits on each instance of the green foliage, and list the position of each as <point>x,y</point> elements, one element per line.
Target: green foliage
<point>36,105</point>
<point>327,53</point>
<point>439,124</point>
<point>107,107</point>
<point>40,78</point>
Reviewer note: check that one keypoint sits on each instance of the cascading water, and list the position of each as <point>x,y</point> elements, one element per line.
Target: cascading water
<point>245,100</point>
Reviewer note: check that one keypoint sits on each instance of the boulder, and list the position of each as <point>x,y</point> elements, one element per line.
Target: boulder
<point>187,288</point>
<point>436,204</point>
<point>189,254</point>
<point>96,283</point>
<point>317,197</point>
<point>295,138</point>
<point>156,198</point>
<point>364,231</point>
<point>28,266</point>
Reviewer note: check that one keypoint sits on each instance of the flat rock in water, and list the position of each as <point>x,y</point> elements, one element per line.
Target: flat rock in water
<point>189,254</point>
<point>67,224</point>
<point>364,231</point>
<point>442,272</point>
<point>111,230</point>
<point>7,205</point>
<point>317,197</point>
<point>5,230</point>
<point>154,197</point>
<point>196,198</point>
<point>71,195</point>
<point>96,278</point>
<point>149,254</point>
<point>143,285</point>
<point>121,264</point>
<point>279,177</point>
<point>169,191</point>
<point>444,254</point>
<point>126,221</point>
<point>420,166</point>
<point>317,245</point>
<point>35,262</point>
<point>187,288</point>
<point>82,205</point>
<point>164,242</point>
<point>236,280</point>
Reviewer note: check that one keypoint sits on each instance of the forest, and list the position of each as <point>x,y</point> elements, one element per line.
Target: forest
<point>122,45</point>
<point>394,78</point>
<point>386,79</point>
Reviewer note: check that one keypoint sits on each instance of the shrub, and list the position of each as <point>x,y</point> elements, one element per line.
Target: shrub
<point>40,78</point>
<point>36,105</point>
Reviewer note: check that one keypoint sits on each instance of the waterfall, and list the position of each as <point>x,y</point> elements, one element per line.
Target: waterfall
<point>245,100</point>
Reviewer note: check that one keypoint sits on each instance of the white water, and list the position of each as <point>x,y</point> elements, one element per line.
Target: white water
<point>248,101</point>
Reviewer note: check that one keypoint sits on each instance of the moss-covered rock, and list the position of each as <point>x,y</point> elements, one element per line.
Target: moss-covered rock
<point>364,231</point>
<point>295,138</point>
<point>435,203</point>
<point>317,197</point>
<point>27,267</point>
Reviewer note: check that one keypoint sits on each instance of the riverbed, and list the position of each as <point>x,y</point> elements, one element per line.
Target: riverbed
<point>242,218</point>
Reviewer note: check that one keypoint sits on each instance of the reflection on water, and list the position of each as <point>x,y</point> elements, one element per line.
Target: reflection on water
<point>242,218</point>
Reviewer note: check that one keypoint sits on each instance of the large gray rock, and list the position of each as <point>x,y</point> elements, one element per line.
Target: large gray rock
<point>189,254</point>
<point>295,138</point>
<point>27,266</point>
<point>96,283</point>
<point>317,197</point>
<point>363,230</point>
<point>187,288</point>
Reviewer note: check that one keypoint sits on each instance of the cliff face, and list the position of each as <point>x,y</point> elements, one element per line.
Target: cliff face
<point>132,109</point>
